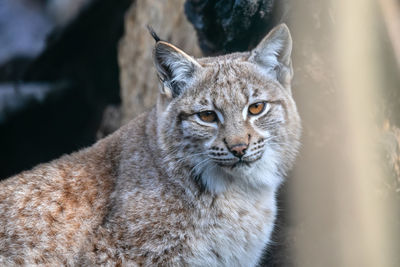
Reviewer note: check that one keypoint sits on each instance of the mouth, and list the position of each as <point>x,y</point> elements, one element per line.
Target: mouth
<point>238,163</point>
<point>235,162</point>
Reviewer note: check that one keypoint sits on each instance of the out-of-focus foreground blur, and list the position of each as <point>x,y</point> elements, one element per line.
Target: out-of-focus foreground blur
<point>73,71</point>
<point>344,192</point>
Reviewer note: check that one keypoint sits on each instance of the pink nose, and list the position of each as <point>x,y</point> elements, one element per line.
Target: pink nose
<point>238,150</point>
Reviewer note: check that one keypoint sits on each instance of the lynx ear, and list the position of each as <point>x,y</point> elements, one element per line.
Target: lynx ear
<point>273,54</point>
<point>175,68</point>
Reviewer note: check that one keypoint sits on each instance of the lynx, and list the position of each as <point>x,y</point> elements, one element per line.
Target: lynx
<point>190,183</point>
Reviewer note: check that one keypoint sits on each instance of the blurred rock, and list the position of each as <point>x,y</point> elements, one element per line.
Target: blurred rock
<point>24,26</point>
<point>40,122</point>
<point>64,11</point>
<point>14,97</point>
<point>13,69</point>
<point>111,121</point>
<point>139,84</point>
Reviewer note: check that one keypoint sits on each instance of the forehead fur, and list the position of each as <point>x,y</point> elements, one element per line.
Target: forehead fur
<point>232,80</point>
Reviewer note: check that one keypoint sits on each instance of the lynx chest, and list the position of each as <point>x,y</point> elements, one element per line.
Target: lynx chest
<point>234,230</point>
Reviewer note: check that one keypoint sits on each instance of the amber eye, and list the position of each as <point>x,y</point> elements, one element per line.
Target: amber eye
<point>207,116</point>
<point>256,108</point>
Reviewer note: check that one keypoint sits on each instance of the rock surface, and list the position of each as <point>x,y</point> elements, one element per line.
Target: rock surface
<point>230,26</point>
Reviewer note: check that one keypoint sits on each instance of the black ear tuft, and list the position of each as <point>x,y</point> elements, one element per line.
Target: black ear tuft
<point>174,67</point>
<point>153,33</point>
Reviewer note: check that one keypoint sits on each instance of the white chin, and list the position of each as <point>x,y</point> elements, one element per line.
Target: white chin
<point>259,174</point>
<point>238,168</point>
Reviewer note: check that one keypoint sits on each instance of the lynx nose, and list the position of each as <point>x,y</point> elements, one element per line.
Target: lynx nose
<point>238,150</point>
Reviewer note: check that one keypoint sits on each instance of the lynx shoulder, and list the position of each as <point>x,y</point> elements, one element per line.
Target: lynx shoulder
<point>190,183</point>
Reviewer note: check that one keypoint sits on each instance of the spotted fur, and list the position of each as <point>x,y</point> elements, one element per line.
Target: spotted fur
<point>168,188</point>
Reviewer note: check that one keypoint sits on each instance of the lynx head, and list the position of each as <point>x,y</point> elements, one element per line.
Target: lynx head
<point>230,119</point>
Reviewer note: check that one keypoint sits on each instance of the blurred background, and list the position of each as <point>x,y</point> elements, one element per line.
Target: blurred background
<point>74,71</point>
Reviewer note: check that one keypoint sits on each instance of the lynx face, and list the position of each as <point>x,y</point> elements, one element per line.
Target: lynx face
<point>231,117</point>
